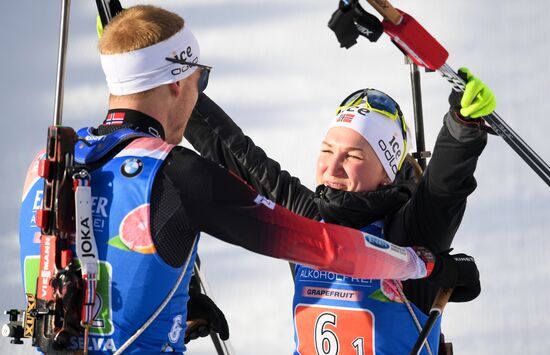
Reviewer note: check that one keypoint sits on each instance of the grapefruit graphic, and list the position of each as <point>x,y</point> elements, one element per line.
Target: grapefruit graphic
<point>134,232</point>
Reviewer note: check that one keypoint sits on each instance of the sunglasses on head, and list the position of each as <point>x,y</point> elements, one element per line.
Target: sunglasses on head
<point>204,72</point>
<point>377,101</point>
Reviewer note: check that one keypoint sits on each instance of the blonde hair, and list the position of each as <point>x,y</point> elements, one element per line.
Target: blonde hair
<point>135,28</point>
<point>139,27</point>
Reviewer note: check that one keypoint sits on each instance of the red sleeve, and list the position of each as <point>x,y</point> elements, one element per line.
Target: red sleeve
<point>220,204</point>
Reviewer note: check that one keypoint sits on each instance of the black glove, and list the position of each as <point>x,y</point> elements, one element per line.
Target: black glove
<point>367,24</point>
<point>459,272</point>
<point>341,22</point>
<point>204,315</point>
<point>351,20</point>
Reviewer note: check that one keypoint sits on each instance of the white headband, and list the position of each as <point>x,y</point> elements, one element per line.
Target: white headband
<point>147,68</point>
<point>382,133</point>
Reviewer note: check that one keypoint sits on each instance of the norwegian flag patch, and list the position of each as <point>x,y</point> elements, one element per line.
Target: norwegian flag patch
<point>345,117</point>
<point>114,118</point>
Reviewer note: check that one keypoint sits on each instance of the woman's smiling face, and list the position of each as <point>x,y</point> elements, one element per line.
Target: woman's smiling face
<point>347,162</point>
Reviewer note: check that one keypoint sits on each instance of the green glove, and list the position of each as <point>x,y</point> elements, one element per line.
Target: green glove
<point>476,101</point>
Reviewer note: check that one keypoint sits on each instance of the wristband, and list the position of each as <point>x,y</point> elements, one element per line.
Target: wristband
<point>427,257</point>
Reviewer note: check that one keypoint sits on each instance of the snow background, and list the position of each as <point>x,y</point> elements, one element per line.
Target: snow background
<point>278,70</point>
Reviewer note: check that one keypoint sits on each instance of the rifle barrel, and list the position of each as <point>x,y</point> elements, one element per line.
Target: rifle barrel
<point>62,53</point>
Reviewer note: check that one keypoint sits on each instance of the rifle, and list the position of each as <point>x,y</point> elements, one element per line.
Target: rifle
<point>62,305</point>
<point>43,317</point>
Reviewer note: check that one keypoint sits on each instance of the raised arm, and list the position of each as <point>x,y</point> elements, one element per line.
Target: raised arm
<point>215,136</point>
<point>434,213</point>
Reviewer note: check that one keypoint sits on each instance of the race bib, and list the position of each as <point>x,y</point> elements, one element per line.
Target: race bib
<point>334,330</point>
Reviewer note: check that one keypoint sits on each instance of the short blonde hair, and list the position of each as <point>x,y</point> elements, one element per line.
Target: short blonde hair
<point>139,27</point>
<point>135,28</point>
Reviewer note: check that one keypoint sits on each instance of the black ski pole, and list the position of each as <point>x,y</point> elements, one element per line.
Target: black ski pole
<point>104,11</point>
<point>421,154</point>
<point>107,9</point>
<point>440,301</point>
<point>223,347</point>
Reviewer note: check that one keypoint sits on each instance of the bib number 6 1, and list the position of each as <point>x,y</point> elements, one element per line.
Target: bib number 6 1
<point>326,340</point>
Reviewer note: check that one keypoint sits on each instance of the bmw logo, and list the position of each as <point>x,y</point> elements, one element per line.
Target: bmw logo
<point>131,167</point>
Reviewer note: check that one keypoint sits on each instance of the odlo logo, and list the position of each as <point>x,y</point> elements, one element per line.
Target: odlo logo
<point>185,56</point>
<point>392,152</point>
<point>360,110</point>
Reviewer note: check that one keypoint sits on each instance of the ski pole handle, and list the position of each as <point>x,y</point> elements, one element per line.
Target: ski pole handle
<point>386,9</point>
<point>441,299</point>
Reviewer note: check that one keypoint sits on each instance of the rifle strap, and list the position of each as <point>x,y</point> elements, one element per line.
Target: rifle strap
<point>86,248</point>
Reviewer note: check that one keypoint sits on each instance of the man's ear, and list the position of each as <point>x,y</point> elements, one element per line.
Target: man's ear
<point>175,88</point>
